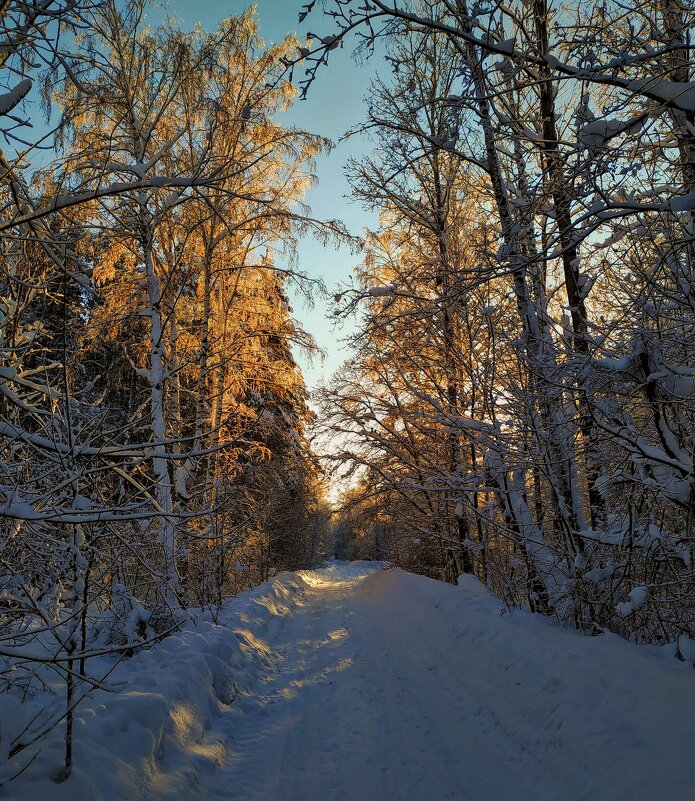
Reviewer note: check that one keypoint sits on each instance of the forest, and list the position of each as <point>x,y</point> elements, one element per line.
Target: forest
<point>518,402</point>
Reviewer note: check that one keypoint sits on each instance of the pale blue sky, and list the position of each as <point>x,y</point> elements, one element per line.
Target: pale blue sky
<point>335,103</point>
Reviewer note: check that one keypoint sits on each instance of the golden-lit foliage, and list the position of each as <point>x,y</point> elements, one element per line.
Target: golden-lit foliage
<point>185,331</point>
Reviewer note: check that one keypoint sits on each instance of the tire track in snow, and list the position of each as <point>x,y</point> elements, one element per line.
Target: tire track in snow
<point>262,727</point>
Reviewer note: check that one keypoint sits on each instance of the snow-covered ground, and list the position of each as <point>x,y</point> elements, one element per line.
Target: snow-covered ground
<point>357,683</point>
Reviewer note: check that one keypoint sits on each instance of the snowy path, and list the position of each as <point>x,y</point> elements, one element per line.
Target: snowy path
<point>352,683</point>
<point>371,698</point>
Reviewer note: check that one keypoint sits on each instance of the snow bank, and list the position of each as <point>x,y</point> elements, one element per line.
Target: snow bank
<point>605,707</point>
<point>156,734</point>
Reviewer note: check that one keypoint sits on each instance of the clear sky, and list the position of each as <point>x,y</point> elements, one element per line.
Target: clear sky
<point>335,103</point>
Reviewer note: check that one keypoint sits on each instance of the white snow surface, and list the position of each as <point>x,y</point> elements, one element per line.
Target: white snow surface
<point>352,682</point>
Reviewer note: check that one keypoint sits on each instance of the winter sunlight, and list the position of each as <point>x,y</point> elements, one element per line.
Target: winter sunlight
<point>347,399</point>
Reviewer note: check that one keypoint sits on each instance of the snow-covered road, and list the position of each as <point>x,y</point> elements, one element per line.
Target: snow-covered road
<point>377,692</point>
<point>357,708</point>
<point>354,683</point>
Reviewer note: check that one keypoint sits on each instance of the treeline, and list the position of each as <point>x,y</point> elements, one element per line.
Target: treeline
<point>520,403</point>
<point>152,417</point>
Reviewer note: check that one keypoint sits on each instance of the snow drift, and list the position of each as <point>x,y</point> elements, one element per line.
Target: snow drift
<point>156,733</point>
